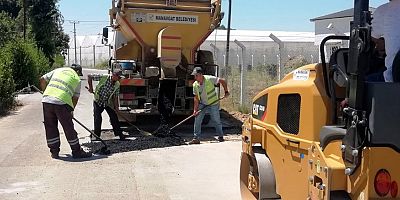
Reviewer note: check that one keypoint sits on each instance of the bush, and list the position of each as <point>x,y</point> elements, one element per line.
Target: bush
<point>255,81</point>
<point>102,65</point>
<point>26,62</point>
<point>7,85</point>
<point>59,61</point>
<point>7,28</point>
<point>294,63</point>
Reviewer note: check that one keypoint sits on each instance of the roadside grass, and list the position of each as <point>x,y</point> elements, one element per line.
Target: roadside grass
<point>255,81</point>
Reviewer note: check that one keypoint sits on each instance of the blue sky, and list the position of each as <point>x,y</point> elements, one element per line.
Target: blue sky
<point>284,15</point>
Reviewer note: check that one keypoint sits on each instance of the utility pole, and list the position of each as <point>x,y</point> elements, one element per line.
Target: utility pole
<point>75,22</point>
<point>24,5</point>
<point>228,33</point>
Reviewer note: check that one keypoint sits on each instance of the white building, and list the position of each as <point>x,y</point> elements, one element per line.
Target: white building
<point>89,51</point>
<point>260,48</point>
<point>337,23</point>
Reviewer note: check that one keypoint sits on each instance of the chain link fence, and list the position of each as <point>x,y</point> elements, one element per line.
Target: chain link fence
<point>263,62</point>
<point>88,56</point>
<point>260,63</point>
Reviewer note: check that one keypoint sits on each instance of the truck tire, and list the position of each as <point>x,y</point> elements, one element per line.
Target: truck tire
<point>205,58</point>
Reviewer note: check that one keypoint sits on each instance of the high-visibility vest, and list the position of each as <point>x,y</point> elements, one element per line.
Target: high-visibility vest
<point>102,82</point>
<point>209,88</point>
<point>62,85</point>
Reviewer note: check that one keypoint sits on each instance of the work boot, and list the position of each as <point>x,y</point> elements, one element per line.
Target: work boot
<point>194,141</point>
<point>54,153</point>
<point>122,136</point>
<point>221,139</point>
<point>81,154</point>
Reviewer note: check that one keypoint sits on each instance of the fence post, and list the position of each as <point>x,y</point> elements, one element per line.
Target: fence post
<point>252,60</point>
<point>242,71</point>
<point>94,56</point>
<point>281,46</point>
<point>68,57</point>
<point>80,55</point>
<point>264,60</point>
<point>216,55</point>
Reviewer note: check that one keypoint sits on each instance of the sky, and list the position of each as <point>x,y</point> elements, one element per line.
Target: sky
<point>274,15</point>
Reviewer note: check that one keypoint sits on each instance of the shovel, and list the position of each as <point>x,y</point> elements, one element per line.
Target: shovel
<point>145,133</point>
<point>192,115</point>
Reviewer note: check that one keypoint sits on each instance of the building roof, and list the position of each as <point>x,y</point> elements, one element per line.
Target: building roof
<point>261,36</point>
<point>340,14</point>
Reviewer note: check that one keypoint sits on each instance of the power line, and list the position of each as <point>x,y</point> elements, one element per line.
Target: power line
<point>87,21</point>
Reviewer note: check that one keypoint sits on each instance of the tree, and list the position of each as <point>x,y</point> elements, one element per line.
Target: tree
<point>46,22</point>
<point>11,7</point>
<point>7,28</point>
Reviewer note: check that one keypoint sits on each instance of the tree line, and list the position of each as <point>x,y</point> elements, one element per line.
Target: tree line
<point>32,42</point>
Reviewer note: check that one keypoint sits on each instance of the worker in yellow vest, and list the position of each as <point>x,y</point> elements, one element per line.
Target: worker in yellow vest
<point>205,94</point>
<point>105,98</point>
<point>61,93</point>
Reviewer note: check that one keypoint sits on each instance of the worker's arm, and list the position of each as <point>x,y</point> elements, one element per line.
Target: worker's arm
<point>75,100</point>
<point>45,79</point>
<point>196,105</point>
<point>90,83</point>
<point>77,94</point>
<point>224,85</point>
<point>379,45</point>
<point>43,83</point>
<point>115,99</point>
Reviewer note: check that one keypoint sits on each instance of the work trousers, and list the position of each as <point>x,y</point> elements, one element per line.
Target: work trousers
<point>53,113</point>
<point>213,110</point>
<point>97,110</point>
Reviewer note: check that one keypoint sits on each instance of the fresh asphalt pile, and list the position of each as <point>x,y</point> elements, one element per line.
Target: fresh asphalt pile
<point>135,142</point>
<point>162,137</point>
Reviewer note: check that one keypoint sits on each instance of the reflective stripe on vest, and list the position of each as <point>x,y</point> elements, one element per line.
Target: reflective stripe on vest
<point>102,82</point>
<point>62,85</point>
<point>210,89</point>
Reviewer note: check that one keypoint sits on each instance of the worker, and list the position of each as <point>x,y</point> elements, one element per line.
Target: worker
<point>385,24</point>
<point>105,98</point>
<point>205,94</point>
<point>61,93</point>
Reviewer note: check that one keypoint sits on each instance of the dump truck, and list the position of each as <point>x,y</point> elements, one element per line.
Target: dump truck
<point>156,45</point>
<point>324,131</point>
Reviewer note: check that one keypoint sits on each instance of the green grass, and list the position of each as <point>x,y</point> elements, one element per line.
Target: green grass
<point>256,81</point>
